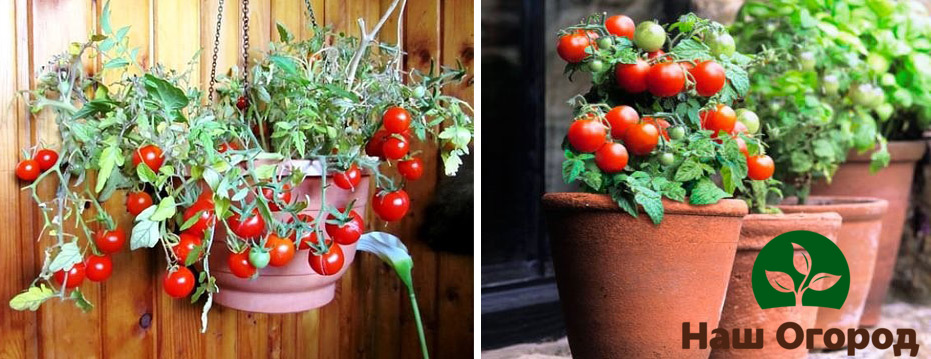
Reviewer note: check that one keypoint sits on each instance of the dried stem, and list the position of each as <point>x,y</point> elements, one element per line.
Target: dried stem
<point>367,38</point>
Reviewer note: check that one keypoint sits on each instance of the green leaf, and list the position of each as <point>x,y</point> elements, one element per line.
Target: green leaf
<point>688,171</point>
<point>265,171</point>
<point>80,301</point>
<point>32,298</point>
<point>691,50</point>
<point>625,203</point>
<point>571,169</point>
<point>706,192</point>
<point>68,255</point>
<point>105,19</point>
<point>592,179</point>
<point>283,34</point>
<point>652,204</point>
<point>145,232</point>
<point>390,249</point>
<point>115,63</point>
<point>110,157</point>
<point>284,63</point>
<point>172,98</point>
<point>145,174</point>
<point>165,209</point>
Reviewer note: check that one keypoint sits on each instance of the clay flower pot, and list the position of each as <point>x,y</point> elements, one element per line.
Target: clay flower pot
<point>741,309</point>
<point>626,285</point>
<point>858,239</point>
<point>893,184</point>
<point>294,287</point>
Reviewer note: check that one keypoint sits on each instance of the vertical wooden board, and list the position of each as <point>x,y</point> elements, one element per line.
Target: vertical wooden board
<point>253,335</point>
<point>128,302</point>
<point>319,8</point>
<point>337,15</point>
<point>290,14</point>
<point>308,330</point>
<point>63,330</point>
<point>17,335</point>
<point>260,28</point>
<point>455,292</point>
<point>221,337</point>
<point>329,328</point>
<point>175,22</point>
<point>422,43</point>
<point>230,51</point>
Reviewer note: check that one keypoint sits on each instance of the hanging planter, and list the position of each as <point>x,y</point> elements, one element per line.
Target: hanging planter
<point>269,178</point>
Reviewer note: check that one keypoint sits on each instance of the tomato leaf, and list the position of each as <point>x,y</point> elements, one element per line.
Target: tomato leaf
<point>165,209</point>
<point>32,298</point>
<point>283,34</point>
<point>689,170</point>
<point>264,172</point>
<point>68,255</point>
<point>109,158</point>
<point>706,192</point>
<point>80,301</point>
<point>652,204</point>
<point>145,232</point>
<point>145,174</point>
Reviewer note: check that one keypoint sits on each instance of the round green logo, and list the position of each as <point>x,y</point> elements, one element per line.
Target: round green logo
<point>817,276</point>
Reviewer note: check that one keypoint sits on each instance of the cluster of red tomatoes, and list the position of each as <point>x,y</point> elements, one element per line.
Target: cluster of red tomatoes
<point>659,73</point>
<point>641,136</point>
<point>724,118</point>
<point>96,268</point>
<point>29,169</point>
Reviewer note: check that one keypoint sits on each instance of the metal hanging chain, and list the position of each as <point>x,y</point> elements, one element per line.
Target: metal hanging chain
<point>310,12</point>
<point>245,46</point>
<point>216,49</point>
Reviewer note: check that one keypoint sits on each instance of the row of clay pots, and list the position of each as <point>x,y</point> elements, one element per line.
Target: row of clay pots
<point>627,286</point>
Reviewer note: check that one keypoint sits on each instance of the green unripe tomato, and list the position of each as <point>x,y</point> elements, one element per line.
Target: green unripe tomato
<point>605,42</point>
<point>807,60</point>
<point>884,111</point>
<point>595,65</point>
<point>101,93</point>
<point>667,159</point>
<point>877,97</point>
<point>649,36</point>
<point>830,85</point>
<point>721,44</point>
<point>887,80</point>
<point>860,94</point>
<point>877,63</point>
<point>259,258</point>
<point>419,91</point>
<point>749,119</point>
<point>677,133</point>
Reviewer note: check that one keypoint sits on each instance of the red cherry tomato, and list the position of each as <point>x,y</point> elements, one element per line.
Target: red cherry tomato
<point>347,233</point>
<point>179,283</point>
<point>46,158</point>
<point>308,237</point>
<point>242,103</point>
<point>742,146</point>
<point>666,79</point>
<point>709,78</point>
<point>253,226</point>
<point>760,167</point>
<point>655,54</point>
<point>723,118</point>
<point>348,179</point>
<point>186,245</point>
<point>621,26</point>
<point>205,208</point>
<point>395,148</point>
<point>226,146</point>
<point>620,118</point>
<point>98,268</point>
<point>641,138</point>
<point>136,202</point>
<point>739,127</point>
<point>75,276</point>
<point>281,250</point>
<point>373,147</point>
<point>240,266</point>
<point>396,119</point>
<point>632,77</point>
<point>283,197</point>
<point>110,242</point>
<point>661,124</point>
<point>27,170</point>
<point>328,263</point>
<point>151,155</point>
<point>572,47</point>
<point>587,135</point>
<point>411,169</point>
<point>612,157</point>
<point>391,206</point>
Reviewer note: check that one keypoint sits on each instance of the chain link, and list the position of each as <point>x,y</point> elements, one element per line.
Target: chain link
<point>216,49</point>
<point>245,46</point>
<point>310,12</point>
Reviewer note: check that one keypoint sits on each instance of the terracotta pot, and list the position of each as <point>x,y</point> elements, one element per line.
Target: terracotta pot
<point>626,285</point>
<point>893,184</point>
<point>740,306</point>
<point>294,287</point>
<point>858,239</point>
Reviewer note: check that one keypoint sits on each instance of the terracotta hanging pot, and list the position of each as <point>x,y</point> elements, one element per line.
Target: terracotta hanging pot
<point>893,184</point>
<point>741,309</point>
<point>858,239</point>
<point>294,287</point>
<point>626,285</point>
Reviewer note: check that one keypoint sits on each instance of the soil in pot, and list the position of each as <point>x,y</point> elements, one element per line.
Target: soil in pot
<point>858,240</point>
<point>892,184</point>
<point>294,287</point>
<point>741,309</point>
<point>626,285</point>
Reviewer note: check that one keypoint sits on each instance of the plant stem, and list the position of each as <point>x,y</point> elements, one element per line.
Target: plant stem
<point>367,37</point>
<point>420,334</point>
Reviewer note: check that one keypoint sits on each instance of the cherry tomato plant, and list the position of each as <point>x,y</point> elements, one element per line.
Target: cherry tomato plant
<point>657,122</point>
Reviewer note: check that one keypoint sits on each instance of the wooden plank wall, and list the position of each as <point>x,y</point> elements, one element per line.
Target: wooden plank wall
<point>371,316</point>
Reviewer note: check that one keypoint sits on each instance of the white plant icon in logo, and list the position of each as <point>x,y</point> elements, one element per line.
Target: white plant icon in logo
<point>783,282</point>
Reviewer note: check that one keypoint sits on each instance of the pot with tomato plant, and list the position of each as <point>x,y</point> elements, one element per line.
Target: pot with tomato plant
<point>655,144</point>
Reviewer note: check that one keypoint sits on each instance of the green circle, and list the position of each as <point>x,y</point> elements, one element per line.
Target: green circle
<point>825,262</point>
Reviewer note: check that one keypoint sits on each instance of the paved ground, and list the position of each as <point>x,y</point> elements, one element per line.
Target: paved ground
<point>895,315</point>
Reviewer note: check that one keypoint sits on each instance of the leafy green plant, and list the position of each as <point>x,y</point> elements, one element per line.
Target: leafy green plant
<point>838,76</point>
<point>689,143</point>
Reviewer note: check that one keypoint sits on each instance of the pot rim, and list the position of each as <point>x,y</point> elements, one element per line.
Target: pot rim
<point>587,202</point>
<point>310,168</point>
<point>801,219</point>
<point>899,151</point>
<point>850,208</point>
